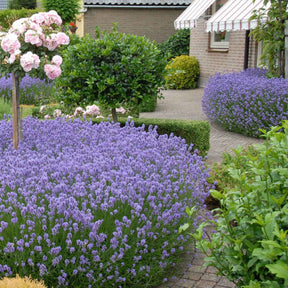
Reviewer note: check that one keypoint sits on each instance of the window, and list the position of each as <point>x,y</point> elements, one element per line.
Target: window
<point>219,40</point>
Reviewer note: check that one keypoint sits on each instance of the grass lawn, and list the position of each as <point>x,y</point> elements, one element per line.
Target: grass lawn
<point>6,108</point>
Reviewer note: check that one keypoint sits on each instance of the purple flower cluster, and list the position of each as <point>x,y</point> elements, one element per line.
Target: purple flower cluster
<point>85,205</point>
<point>246,102</point>
<point>33,91</point>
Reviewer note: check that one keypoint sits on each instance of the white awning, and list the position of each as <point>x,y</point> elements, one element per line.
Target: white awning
<point>235,15</point>
<point>189,17</point>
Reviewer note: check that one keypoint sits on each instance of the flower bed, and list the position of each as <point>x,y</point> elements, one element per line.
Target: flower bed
<point>246,102</point>
<point>33,91</point>
<point>85,205</point>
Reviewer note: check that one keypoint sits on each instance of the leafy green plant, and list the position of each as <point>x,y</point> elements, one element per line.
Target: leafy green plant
<point>250,243</point>
<point>115,69</point>
<point>183,72</point>
<point>272,33</point>
<point>67,9</point>
<point>19,4</point>
<point>176,45</point>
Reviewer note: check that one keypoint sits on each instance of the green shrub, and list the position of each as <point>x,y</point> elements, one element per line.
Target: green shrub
<point>250,243</point>
<point>19,4</point>
<point>177,44</point>
<point>194,132</point>
<point>184,72</point>
<point>67,9</point>
<point>149,104</point>
<point>116,70</point>
<point>7,17</point>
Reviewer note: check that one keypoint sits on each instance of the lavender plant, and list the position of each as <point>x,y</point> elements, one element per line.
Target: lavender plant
<point>246,102</point>
<point>85,205</point>
<point>34,91</point>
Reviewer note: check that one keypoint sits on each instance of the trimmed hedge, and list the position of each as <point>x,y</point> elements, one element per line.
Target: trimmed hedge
<point>195,132</point>
<point>8,16</point>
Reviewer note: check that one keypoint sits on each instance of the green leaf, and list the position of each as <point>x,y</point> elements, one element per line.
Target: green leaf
<point>280,268</point>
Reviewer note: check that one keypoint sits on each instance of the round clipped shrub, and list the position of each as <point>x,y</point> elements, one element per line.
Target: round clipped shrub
<point>183,72</point>
<point>246,102</point>
<point>86,205</point>
<point>21,283</point>
<point>116,69</point>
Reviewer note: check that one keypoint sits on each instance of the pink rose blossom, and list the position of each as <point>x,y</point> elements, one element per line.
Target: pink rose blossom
<point>10,43</point>
<point>47,116</point>
<point>50,42</point>
<point>78,110</point>
<point>62,38</point>
<point>52,71</point>
<point>92,110</point>
<point>42,108</point>
<point>57,60</point>
<point>57,113</point>
<point>38,18</point>
<point>52,17</point>
<point>19,26</point>
<point>28,61</point>
<point>120,110</point>
<point>33,37</point>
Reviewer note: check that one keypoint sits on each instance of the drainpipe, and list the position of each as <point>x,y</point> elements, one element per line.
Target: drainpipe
<point>246,53</point>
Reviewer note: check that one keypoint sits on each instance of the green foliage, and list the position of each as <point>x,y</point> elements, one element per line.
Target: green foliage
<point>183,72</point>
<point>5,108</point>
<point>149,104</point>
<point>67,9</point>
<point>7,17</point>
<point>177,44</point>
<point>250,244</point>
<point>115,69</point>
<point>194,132</point>
<point>19,4</point>
<point>272,33</point>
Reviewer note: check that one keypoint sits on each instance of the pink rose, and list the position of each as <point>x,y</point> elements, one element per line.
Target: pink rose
<point>19,26</point>
<point>38,18</point>
<point>52,17</point>
<point>33,37</point>
<point>92,110</point>
<point>47,116</point>
<point>10,43</point>
<point>78,110</point>
<point>52,71</point>
<point>50,42</point>
<point>57,60</point>
<point>28,61</point>
<point>57,113</point>
<point>62,38</point>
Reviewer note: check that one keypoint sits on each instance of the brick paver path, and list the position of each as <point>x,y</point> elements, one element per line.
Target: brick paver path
<point>186,105</point>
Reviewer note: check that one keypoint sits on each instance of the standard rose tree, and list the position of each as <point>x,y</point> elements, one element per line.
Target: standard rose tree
<point>30,47</point>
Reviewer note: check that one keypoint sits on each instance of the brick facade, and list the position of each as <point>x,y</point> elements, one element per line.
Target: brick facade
<point>154,23</point>
<point>213,61</point>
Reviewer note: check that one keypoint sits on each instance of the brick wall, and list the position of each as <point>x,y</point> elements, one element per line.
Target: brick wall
<point>212,61</point>
<point>156,23</point>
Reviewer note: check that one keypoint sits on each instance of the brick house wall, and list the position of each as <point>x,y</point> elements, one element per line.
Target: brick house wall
<point>212,61</point>
<point>154,23</point>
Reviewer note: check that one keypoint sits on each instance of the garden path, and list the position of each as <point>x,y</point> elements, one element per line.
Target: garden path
<point>186,105</point>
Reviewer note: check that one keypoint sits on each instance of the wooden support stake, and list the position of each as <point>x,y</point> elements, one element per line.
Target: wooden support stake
<point>16,110</point>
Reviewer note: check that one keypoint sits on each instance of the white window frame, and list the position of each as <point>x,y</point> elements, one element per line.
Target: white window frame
<point>216,44</point>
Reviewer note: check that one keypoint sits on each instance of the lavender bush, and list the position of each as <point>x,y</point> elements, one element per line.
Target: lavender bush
<point>33,91</point>
<point>246,102</point>
<point>85,205</point>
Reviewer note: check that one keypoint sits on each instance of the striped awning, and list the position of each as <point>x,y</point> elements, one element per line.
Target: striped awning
<point>235,15</point>
<point>188,19</point>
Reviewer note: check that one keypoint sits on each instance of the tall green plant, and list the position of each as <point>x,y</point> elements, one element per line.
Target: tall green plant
<point>250,244</point>
<point>272,33</point>
<point>67,9</point>
<point>177,44</point>
<point>116,70</point>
